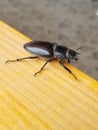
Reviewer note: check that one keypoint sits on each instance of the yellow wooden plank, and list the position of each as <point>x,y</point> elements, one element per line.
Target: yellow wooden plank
<point>53,100</point>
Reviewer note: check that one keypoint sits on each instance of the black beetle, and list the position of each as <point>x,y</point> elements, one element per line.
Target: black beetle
<point>51,51</point>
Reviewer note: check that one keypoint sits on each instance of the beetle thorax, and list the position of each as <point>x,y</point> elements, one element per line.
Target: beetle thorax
<point>60,52</point>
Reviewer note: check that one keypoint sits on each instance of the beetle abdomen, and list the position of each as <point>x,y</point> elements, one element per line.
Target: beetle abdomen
<point>40,48</point>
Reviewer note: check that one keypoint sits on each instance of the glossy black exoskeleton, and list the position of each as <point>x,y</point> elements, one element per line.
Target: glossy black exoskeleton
<point>51,51</point>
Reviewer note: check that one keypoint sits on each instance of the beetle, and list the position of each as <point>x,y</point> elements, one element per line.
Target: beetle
<point>50,51</point>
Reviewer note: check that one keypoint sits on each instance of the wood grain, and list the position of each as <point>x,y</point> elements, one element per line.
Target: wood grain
<point>53,100</point>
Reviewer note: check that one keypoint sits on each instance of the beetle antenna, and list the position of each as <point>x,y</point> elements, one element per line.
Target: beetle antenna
<point>78,48</point>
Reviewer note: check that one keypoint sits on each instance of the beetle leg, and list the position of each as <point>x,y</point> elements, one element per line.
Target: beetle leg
<point>62,64</point>
<point>68,60</point>
<point>30,57</point>
<point>49,60</point>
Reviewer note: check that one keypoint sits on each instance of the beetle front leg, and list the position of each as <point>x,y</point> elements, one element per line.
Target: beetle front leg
<point>29,57</point>
<point>62,64</point>
<point>49,60</point>
<point>68,60</point>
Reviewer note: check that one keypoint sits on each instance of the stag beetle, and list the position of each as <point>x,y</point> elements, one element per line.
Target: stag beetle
<point>51,51</point>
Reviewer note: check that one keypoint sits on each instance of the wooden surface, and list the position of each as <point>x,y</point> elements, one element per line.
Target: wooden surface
<point>53,100</point>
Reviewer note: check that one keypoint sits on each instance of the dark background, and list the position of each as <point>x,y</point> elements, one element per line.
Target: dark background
<point>73,23</point>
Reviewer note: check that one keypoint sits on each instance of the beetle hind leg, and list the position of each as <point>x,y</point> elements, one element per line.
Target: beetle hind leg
<point>49,60</point>
<point>29,57</point>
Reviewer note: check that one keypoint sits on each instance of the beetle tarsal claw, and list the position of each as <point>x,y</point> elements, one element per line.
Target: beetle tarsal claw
<point>9,61</point>
<point>35,75</point>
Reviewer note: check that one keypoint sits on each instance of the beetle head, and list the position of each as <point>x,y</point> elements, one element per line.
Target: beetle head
<point>71,54</point>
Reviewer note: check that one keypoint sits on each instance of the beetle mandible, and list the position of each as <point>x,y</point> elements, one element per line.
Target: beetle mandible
<point>51,51</point>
